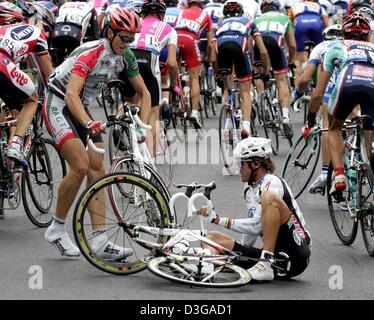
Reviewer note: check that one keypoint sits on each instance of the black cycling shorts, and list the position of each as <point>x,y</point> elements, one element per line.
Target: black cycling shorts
<point>150,72</point>
<point>277,55</point>
<point>230,54</point>
<point>292,240</point>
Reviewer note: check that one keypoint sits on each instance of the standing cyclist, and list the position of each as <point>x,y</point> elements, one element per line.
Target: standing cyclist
<point>73,86</point>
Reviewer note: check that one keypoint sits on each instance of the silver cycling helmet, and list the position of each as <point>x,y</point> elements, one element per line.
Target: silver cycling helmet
<point>253,147</point>
<point>333,32</point>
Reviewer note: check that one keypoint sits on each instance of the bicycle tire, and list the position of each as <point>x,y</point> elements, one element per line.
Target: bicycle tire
<point>134,263</point>
<point>127,164</point>
<point>270,130</point>
<point>41,173</point>
<point>227,137</point>
<point>367,214</point>
<point>164,268</point>
<point>337,210</point>
<point>300,158</point>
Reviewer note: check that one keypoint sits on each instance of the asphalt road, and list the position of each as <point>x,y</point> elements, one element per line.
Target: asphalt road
<point>335,271</point>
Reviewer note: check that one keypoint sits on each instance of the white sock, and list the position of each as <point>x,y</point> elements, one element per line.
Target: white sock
<point>99,237</point>
<point>285,112</point>
<point>246,126</point>
<point>57,226</point>
<point>266,263</point>
<point>165,100</point>
<point>194,113</point>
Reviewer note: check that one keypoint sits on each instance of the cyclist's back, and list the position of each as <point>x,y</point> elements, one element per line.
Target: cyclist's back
<point>309,19</point>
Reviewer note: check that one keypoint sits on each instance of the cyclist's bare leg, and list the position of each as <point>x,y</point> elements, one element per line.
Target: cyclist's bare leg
<point>325,136</point>
<point>194,74</point>
<point>97,205</point>
<point>74,152</point>
<point>154,121</point>
<point>26,114</point>
<point>246,102</point>
<point>300,58</point>
<point>336,143</point>
<point>220,238</point>
<point>274,214</point>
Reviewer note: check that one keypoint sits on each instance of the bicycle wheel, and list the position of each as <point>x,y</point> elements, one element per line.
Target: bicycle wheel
<point>103,206</point>
<point>127,164</point>
<point>187,272</point>
<point>367,214</point>
<point>228,138</point>
<point>339,206</point>
<point>179,117</point>
<point>41,181</point>
<point>119,142</point>
<point>164,157</point>
<point>270,124</point>
<point>301,163</point>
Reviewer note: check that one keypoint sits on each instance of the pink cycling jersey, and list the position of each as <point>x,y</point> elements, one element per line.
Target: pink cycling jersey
<point>155,35</point>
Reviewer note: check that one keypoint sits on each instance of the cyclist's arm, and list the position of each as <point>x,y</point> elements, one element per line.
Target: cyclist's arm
<point>73,100</point>
<point>172,64</point>
<point>139,86</point>
<point>210,48</point>
<point>247,226</point>
<point>305,77</point>
<point>45,65</point>
<point>317,94</point>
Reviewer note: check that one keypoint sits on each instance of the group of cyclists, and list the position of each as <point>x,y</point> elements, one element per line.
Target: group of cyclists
<point>128,39</point>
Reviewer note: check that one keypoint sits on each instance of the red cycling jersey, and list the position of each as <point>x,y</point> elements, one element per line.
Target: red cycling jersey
<point>190,24</point>
<point>193,21</point>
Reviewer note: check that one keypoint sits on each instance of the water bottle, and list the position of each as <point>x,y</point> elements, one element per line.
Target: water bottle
<point>352,179</point>
<point>238,118</point>
<point>181,247</point>
<point>166,113</point>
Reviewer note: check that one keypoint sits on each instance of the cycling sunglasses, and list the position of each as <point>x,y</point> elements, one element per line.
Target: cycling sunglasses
<point>125,39</point>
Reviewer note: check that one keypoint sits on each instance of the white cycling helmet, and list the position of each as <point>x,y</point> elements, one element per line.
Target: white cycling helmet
<point>253,147</point>
<point>333,32</point>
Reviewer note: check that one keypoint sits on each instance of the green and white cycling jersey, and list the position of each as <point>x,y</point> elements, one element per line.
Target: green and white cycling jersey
<point>348,52</point>
<point>96,62</point>
<point>275,24</point>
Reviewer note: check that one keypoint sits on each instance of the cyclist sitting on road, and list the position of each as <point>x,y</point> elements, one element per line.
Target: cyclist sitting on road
<point>272,212</point>
<point>74,85</point>
<point>309,19</point>
<point>331,35</point>
<point>18,40</point>
<point>189,25</point>
<point>354,85</point>
<point>234,39</point>
<point>276,30</point>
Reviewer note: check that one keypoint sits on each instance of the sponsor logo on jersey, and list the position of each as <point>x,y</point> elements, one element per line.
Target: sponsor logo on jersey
<point>20,78</point>
<point>22,32</point>
<point>362,71</point>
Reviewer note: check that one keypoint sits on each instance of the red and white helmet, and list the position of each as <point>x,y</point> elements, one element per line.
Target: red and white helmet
<point>355,24</point>
<point>10,13</point>
<point>122,19</point>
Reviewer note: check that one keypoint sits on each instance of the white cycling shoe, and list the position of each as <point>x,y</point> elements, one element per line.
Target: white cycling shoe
<point>261,272</point>
<point>107,250</point>
<point>319,185</point>
<point>62,242</point>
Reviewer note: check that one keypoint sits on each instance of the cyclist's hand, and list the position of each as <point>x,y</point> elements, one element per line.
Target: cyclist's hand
<point>204,211</point>
<point>311,119</point>
<point>94,127</point>
<point>305,131</point>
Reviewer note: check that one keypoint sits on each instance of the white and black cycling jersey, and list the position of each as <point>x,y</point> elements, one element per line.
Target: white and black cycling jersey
<point>251,227</point>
